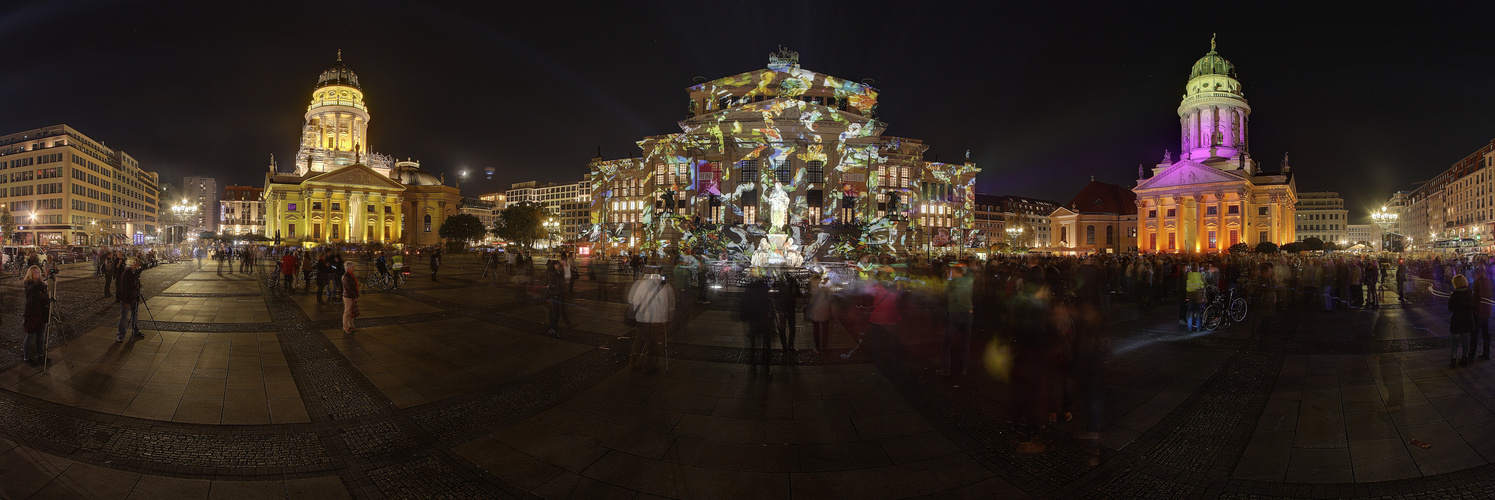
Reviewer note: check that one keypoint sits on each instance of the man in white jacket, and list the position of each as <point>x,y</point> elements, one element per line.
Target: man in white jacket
<point>653,302</point>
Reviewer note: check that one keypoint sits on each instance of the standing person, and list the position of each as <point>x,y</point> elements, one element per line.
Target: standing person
<point>820,312</point>
<point>960,313</point>
<point>701,268</point>
<point>350,298</point>
<point>336,263</point>
<point>129,300</point>
<point>1484,291</point>
<point>1461,322</point>
<point>288,271</point>
<point>653,302</point>
<point>757,312</point>
<point>555,294</point>
<point>508,262</point>
<point>1194,286</point>
<point>34,323</point>
<point>569,271</point>
<point>308,268</point>
<point>884,305</point>
<point>109,272</point>
<point>788,326</point>
<point>435,263</point>
<point>1401,282</point>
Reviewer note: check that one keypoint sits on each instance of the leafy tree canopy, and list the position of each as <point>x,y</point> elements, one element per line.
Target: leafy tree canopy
<point>1240,248</point>
<point>1313,244</point>
<point>522,224</point>
<point>1266,247</point>
<point>464,228</point>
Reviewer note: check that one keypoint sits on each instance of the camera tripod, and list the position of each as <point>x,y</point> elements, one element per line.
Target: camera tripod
<point>54,320</point>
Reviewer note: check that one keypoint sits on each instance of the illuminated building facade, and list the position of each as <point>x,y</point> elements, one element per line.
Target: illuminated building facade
<point>64,188</point>
<point>1468,203</point>
<point>200,192</point>
<point>338,192</point>
<point>814,137</point>
<point>481,209</point>
<point>1215,195</point>
<point>243,210</point>
<point>1102,218</point>
<point>1016,220</point>
<point>1322,215</point>
<point>568,203</point>
<point>1366,234</point>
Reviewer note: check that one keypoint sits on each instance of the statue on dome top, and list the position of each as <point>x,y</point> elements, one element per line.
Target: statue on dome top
<point>1167,157</point>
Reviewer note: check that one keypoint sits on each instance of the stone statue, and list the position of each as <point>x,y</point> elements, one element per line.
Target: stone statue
<point>669,200</point>
<point>778,202</point>
<point>1167,157</point>
<point>893,201</point>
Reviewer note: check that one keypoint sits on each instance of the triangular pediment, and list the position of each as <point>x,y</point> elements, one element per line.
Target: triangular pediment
<point>1061,212</point>
<point>1186,173</point>
<point>356,174</point>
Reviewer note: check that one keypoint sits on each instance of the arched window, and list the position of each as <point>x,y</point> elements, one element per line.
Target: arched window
<point>428,223</point>
<point>1110,235</point>
<point>1089,235</point>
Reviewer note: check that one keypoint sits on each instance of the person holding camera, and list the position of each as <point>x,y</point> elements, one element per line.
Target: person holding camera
<point>34,321</point>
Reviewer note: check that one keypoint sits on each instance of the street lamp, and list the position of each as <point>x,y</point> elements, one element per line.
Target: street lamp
<point>1014,234</point>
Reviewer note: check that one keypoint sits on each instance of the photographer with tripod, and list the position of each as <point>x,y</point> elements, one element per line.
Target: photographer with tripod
<point>34,320</point>
<point>129,299</point>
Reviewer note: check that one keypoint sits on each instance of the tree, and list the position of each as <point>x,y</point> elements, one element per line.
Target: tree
<point>7,225</point>
<point>1313,244</point>
<point>207,235</point>
<point>1294,247</point>
<point>522,224</point>
<point>1266,247</point>
<point>1331,246</point>
<point>465,228</point>
<point>1240,248</point>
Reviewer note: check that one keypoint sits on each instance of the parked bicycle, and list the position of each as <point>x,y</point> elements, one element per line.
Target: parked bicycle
<point>376,279</point>
<point>1224,309</point>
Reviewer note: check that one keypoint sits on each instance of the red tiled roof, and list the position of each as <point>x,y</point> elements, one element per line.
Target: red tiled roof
<point>1100,198</point>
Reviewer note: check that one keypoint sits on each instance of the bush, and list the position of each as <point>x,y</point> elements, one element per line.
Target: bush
<point>1293,247</point>
<point>1240,248</point>
<point>1313,244</point>
<point>1266,247</point>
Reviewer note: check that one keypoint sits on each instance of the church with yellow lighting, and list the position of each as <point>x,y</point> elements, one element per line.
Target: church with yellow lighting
<point>338,191</point>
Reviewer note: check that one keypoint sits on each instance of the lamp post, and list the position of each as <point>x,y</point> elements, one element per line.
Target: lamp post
<point>1013,235</point>
<point>1383,219</point>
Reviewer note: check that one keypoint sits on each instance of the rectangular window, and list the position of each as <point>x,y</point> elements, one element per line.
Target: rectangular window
<point>371,209</point>
<point>337,207</point>
<point>316,205</point>
<point>1211,210</point>
<point>1171,212</point>
<point>316,231</point>
<point>1152,214</point>
<point>815,171</point>
<point>1233,209</point>
<point>1172,241</point>
<point>781,170</point>
<point>290,207</point>
<point>1262,237</point>
<point>290,230</point>
<point>334,230</point>
<point>1261,210</point>
<point>749,170</point>
<point>388,210</point>
<point>1152,241</point>
<point>1212,238</point>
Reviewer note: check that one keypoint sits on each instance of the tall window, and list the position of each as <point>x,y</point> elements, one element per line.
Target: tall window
<point>1212,242</point>
<point>1089,235</point>
<point>1211,210</point>
<point>1262,236</point>
<point>1152,241</point>
<point>428,223</point>
<point>1110,235</point>
<point>1172,241</point>
<point>316,231</point>
<point>781,171</point>
<point>815,171</point>
<point>290,230</point>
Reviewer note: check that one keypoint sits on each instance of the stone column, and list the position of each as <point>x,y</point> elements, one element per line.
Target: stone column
<point>1178,223</point>
<point>1201,231</point>
<point>1228,127</point>
<point>1142,225</point>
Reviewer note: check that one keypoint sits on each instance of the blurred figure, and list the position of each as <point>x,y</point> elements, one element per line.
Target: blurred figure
<point>1484,291</point>
<point>350,297</point>
<point>1092,349</point>
<point>653,302</point>
<point>757,312</point>
<point>960,314</point>
<point>1030,324</point>
<point>788,289</point>
<point>1194,286</point>
<point>820,312</point>
<point>555,294</point>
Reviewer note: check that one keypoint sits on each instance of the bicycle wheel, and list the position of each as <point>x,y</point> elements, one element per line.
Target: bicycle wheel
<point>1213,316</point>
<point>1238,310</point>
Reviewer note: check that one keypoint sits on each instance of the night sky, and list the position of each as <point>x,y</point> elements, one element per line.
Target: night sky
<point>1366,99</point>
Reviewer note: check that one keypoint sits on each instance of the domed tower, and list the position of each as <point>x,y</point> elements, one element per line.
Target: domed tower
<point>1214,114</point>
<point>337,123</point>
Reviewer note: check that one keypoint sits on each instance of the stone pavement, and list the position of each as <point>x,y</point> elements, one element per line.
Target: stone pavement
<point>452,389</point>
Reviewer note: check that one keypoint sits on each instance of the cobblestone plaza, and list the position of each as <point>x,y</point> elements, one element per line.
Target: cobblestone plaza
<point>452,389</point>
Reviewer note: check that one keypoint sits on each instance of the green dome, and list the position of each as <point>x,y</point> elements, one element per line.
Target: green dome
<point>1212,64</point>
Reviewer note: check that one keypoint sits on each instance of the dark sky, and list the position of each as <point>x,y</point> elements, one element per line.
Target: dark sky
<point>1367,97</point>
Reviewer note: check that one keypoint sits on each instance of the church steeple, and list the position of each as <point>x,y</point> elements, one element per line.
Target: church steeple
<point>1213,114</point>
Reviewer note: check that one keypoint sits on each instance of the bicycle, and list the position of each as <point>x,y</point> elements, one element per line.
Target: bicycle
<point>376,279</point>
<point>1225,306</point>
<point>272,280</point>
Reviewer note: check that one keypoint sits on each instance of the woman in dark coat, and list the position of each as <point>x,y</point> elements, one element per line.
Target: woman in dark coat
<point>34,320</point>
<point>1461,323</point>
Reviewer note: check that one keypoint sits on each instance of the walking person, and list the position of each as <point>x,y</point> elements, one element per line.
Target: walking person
<point>653,302</point>
<point>109,273</point>
<point>960,314</point>
<point>129,300</point>
<point>288,271</point>
<point>789,304</point>
<point>350,298</point>
<point>324,275</point>
<point>34,322</point>
<point>1460,322</point>
<point>435,263</point>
